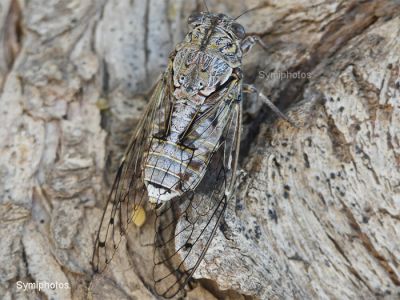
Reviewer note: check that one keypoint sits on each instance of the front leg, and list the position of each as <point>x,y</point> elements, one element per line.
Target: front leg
<point>249,41</point>
<point>248,88</point>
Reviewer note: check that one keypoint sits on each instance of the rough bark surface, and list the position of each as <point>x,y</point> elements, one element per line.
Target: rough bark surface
<point>317,208</point>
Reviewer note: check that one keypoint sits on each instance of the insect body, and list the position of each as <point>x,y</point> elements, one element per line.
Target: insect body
<point>183,155</point>
<point>203,93</point>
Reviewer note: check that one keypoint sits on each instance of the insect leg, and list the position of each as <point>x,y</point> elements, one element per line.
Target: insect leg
<point>250,41</point>
<point>248,88</point>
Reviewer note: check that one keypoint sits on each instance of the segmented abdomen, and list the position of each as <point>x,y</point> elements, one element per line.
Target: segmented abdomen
<point>174,166</point>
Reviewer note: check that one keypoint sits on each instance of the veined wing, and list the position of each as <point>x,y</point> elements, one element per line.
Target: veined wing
<point>181,245</point>
<point>128,192</point>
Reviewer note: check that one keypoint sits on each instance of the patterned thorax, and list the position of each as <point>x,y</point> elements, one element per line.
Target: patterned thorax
<point>205,82</point>
<point>207,56</point>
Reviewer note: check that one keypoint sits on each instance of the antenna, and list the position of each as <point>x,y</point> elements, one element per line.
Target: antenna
<point>205,4</point>
<point>246,11</point>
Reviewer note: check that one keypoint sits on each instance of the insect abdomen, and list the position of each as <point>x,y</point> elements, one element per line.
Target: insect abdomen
<point>172,169</point>
<point>171,166</point>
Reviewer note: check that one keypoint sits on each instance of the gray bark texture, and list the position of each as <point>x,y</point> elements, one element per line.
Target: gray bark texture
<point>316,212</point>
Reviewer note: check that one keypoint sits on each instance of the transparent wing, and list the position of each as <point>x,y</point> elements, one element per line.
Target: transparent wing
<point>128,192</point>
<point>182,245</point>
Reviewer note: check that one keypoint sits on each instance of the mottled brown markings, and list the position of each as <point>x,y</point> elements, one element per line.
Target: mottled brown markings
<point>339,143</point>
<point>209,32</point>
<point>185,176</point>
<point>369,246</point>
<point>195,165</point>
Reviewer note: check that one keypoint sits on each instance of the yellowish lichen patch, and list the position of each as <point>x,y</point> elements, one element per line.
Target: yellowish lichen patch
<point>139,216</point>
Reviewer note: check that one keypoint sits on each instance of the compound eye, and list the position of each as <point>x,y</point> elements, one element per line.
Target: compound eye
<point>238,30</point>
<point>195,18</point>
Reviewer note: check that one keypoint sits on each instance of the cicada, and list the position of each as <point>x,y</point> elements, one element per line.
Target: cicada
<point>183,156</point>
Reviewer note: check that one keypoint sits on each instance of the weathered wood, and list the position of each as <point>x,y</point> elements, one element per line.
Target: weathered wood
<point>317,209</point>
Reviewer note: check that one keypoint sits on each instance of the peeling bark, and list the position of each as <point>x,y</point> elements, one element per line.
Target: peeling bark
<point>316,213</point>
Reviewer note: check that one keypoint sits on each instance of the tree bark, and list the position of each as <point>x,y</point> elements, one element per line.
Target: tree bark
<point>316,212</point>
